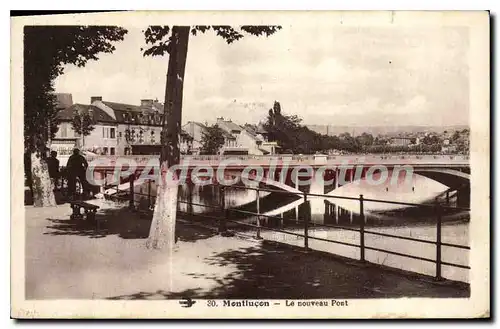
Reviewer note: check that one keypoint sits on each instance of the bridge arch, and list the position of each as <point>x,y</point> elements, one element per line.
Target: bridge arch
<point>274,183</point>
<point>452,178</point>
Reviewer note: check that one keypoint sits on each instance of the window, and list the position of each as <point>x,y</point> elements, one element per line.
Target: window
<point>112,150</point>
<point>108,132</point>
<point>64,130</point>
<point>104,150</point>
<point>119,134</point>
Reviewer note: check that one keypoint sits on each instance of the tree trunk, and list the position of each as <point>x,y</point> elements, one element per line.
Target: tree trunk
<point>43,188</point>
<point>162,231</point>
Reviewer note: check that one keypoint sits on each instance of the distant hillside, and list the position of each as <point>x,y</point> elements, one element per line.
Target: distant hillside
<point>380,130</point>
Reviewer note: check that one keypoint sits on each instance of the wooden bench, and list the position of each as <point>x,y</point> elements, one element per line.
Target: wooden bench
<point>90,210</point>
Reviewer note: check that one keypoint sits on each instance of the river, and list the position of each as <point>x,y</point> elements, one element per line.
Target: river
<point>288,212</point>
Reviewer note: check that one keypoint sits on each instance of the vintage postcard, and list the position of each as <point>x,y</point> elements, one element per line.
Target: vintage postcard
<point>251,165</point>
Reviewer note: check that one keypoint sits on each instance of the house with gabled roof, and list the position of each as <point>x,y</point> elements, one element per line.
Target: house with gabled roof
<point>245,139</point>
<point>101,140</point>
<point>195,130</point>
<point>139,126</point>
<point>262,137</point>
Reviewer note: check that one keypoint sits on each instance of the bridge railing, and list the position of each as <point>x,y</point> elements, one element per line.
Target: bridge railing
<point>301,159</point>
<point>437,209</point>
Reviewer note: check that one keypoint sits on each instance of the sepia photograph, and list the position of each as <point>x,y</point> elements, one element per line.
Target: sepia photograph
<point>274,165</point>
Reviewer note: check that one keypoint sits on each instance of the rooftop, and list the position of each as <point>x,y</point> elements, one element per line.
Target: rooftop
<point>123,107</point>
<point>228,125</point>
<point>96,113</point>
<point>136,114</point>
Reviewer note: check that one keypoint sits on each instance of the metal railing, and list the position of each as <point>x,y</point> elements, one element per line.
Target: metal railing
<point>415,159</point>
<point>224,217</point>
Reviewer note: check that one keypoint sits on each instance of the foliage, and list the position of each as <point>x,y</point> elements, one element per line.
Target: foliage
<point>364,140</point>
<point>212,140</point>
<point>175,41</point>
<point>293,137</point>
<point>82,123</point>
<point>422,148</point>
<point>430,140</point>
<point>286,130</point>
<point>461,139</point>
<point>159,37</point>
<point>46,50</point>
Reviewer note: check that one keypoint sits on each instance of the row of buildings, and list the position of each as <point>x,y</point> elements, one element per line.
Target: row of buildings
<point>447,141</point>
<point>125,129</point>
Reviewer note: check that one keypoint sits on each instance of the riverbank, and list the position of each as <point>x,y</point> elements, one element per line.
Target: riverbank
<point>66,259</point>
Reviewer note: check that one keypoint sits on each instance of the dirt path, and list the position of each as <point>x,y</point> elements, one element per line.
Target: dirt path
<point>67,259</point>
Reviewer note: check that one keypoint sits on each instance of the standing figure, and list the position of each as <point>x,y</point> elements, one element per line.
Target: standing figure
<point>76,167</point>
<point>53,165</point>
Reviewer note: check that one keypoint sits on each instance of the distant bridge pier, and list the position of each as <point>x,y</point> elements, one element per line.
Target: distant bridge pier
<point>189,208</point>
<point>326,214</point>
<point>463,196</point>
<point>331,212</point>
<point>296,180</point>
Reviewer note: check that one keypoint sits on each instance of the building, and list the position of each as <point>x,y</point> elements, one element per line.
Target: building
<point>232,137</point>
<point>262,138</point>
<point>448,148</point>
<point>186,143</point>
<point>195,131</point>
<point>101,140</point>
<point>138,126</point>
<point>65,139</point>
<point>119,129</point>
<point>400,141</point>
<point>245,140</point>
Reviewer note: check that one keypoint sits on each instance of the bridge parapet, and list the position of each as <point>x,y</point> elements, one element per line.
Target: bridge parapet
<point>292,160</point>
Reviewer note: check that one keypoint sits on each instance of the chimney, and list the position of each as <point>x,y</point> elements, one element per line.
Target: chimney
<point>147,103</point>
<point>95,99</point>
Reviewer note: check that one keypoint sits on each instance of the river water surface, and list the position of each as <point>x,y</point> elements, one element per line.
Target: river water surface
<point>288,211</point>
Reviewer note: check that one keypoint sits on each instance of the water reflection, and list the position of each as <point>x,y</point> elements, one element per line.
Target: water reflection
<point>290,209</point>
<point>285,211</point>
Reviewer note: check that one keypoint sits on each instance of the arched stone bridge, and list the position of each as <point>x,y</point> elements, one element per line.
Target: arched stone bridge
<point>282,171</point>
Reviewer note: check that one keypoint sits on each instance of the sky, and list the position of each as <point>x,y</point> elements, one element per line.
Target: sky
<point>379,76</point>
